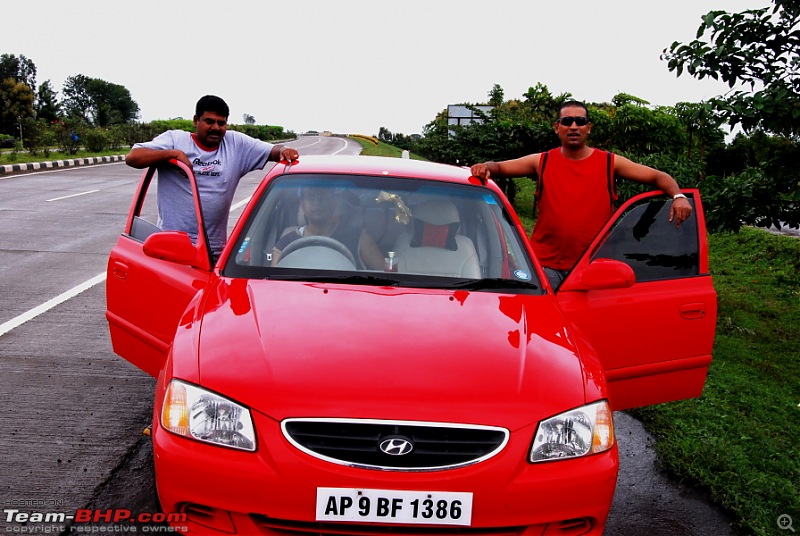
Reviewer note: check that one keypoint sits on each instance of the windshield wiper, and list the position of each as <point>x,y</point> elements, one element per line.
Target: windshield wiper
<point>346,279</point>
<point>493,284</point>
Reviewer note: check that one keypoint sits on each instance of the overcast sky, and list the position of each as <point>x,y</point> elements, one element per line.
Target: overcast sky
<point>353,66</point>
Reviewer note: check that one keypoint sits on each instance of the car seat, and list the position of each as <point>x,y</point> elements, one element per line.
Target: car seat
<point>432,245</point>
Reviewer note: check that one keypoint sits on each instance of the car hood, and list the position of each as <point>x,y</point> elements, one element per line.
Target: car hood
<point>290,349</point>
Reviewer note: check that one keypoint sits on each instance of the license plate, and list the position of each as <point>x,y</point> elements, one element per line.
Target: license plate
<point>394,506</point>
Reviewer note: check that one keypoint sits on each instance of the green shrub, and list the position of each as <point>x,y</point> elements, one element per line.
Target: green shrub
<point>35,135</point>
<point>752,197</point>
<point>162,125</point>
<point>96,140</point>
<point>6,141</point>
<point>261,132</point>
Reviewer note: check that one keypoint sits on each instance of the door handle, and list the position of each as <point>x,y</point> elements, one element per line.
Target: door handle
<point>119,270</point>
<point>693,311</point>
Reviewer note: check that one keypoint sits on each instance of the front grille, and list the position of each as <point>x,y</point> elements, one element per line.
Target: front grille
<point>269,525</point>
<point>430,445</point>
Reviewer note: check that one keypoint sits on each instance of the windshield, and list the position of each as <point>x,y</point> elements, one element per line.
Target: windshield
<point>382,231</point>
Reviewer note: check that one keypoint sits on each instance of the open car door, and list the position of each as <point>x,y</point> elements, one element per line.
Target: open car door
<point>642,296</point>
<point>152,276</point>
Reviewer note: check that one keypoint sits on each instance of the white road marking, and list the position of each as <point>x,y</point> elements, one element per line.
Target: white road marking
<point>49,304</point>
<point>343,148</point>
<point>73,195</point>
<point>306,146</point>
<point>241,203</point>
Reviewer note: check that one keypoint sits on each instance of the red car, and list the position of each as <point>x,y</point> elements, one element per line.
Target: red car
<point>378,350</point>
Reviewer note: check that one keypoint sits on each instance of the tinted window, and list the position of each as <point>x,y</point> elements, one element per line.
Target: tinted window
<point>645,239</point>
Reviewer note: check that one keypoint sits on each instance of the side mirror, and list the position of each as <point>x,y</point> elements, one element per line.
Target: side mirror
<point>172,246</point>
<point>603,274</point>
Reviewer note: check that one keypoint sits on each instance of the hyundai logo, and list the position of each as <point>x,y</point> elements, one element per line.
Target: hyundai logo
<point>396,446</point>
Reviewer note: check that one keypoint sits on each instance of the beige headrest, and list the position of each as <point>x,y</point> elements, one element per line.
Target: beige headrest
<point>436,212</point>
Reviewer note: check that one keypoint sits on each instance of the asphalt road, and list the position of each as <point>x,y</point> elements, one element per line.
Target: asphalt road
<point>73,412</point>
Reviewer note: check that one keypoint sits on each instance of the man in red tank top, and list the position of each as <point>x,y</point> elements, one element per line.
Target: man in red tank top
<point>577,197</point>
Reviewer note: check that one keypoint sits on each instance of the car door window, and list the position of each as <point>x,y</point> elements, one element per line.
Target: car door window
<point>146,219</point>
<point>145,222</point>
<point>653,246</point>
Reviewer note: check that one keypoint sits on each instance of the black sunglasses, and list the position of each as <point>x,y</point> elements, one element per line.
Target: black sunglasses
<point>567,121</point>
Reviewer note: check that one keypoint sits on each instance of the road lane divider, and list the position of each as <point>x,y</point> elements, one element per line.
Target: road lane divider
<point>241,203</point>
<point>49,304</point>
<point>344,140</point>
<point>73,195</point>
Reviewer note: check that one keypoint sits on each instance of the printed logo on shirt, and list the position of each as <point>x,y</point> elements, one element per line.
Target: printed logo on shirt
<point>206,168</point>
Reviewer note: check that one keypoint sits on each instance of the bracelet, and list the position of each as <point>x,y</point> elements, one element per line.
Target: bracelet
<point>678,196</point>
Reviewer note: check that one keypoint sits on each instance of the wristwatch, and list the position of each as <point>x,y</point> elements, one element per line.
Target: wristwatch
<point>678,196</point>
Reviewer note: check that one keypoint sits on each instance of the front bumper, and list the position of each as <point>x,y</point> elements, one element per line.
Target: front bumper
<point>273,490</point>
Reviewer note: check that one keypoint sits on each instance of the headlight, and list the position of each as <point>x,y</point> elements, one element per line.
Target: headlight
<point>585,430</point>
<point>193,412</point>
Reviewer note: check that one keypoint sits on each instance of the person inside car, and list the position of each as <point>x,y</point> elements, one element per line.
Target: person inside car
<point>319,209</point>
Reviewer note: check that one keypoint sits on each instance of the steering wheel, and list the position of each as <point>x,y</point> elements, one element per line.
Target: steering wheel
<point>322,241</point>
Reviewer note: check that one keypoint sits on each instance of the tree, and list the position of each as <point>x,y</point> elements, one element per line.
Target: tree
<point>77,102</point>
<point>98,102</point>
<point>640,130</point>
<point>702,127</point>
<point>113,104</point>
<point>496,95</point>
<point>248,119</point>
<point>47,106</point>
<point>759,48</point>
<point>397,139</point>
<point>385,135</point>
<point>19,68</point>
<point>17,104</point>
<point>541,103</point>
<point>757,53</point>
<point>17,84</point>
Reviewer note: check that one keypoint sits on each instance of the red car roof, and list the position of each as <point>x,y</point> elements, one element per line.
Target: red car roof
<point>377,165</point>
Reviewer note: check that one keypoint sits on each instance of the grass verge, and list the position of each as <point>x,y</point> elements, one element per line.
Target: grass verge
<point>381,149</point>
